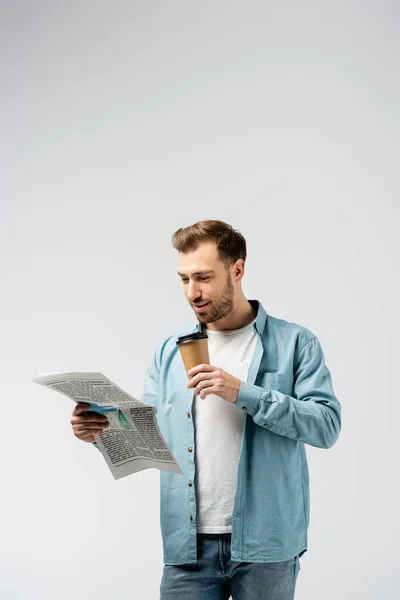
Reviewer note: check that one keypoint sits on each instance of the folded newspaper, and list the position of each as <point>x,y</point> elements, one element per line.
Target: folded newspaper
<point>133,440</point>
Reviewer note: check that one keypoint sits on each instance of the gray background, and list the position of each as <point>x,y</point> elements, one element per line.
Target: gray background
<point>122,121</point>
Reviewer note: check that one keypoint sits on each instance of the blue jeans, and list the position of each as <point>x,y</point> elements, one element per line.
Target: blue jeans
<point>216,577</point>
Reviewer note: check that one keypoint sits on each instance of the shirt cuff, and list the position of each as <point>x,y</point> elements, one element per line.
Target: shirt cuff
<point>249,398</point>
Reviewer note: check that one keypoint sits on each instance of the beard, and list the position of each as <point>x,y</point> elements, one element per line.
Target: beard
<point>221,307</point>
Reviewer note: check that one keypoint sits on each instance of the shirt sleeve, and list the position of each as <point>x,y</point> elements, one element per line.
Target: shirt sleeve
<point>312,416</point>
<point>152,380</point>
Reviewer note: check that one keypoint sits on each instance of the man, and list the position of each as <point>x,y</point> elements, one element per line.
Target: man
<point>235,525</point>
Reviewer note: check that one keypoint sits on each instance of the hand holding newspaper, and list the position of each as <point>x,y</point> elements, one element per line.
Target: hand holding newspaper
<point>133,441</point>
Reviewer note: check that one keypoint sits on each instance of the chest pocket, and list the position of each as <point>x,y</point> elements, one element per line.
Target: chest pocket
<point>283,382</point>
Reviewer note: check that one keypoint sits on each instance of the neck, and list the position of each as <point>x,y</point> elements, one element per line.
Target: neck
<point>242,314</point>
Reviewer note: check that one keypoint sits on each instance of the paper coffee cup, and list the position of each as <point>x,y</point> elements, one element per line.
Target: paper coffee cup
<point>194,349</point>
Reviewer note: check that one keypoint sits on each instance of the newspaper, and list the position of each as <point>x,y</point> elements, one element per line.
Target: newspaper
<point>133,441</point>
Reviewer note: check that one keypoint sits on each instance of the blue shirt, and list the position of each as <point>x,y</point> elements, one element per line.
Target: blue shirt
<point>289,402</point>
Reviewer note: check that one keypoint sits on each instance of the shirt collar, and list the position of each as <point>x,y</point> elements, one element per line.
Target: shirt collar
<point>259,322</point>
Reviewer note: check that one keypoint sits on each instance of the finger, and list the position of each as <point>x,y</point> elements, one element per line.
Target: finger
<point>81,434</point>
<point>207,391</point>
<point>80,408</point>
<point>199,368</point>
<point>89,418</point>
<point>90,427</point>
<point>204,385</point>
<point>86,438</point>
<point>200,377</point>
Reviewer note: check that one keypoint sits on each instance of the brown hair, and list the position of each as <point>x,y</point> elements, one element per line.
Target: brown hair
<point>231,244</point>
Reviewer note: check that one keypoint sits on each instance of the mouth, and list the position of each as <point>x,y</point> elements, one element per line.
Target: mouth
<point>199,308</point>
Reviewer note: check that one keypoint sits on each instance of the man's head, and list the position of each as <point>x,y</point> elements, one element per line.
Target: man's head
<point>212,257</point>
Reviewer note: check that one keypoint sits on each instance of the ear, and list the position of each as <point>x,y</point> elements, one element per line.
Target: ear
<point>238,269</point>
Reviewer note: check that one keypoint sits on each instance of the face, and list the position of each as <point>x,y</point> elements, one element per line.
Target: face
<point>207,281</point>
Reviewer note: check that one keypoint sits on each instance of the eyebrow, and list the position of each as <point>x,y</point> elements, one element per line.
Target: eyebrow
<point>197,273</point>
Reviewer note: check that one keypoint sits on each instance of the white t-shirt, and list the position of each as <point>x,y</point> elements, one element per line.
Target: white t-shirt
<point>218,433</point>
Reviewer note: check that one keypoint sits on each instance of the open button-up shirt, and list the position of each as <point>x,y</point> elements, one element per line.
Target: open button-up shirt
<point>289,402</point>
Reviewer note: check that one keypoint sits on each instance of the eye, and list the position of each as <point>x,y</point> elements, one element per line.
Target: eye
<point>204,278</point>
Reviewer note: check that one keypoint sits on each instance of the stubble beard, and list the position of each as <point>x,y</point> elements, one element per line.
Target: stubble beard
<point>219,308</point>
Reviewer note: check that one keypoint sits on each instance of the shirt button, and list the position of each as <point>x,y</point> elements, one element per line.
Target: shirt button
<point>188,415</point>
<point>244,407</point>
<point>190,484</point>
<point>191,518</point>
<point>190,448</point>
<point>265,424</point>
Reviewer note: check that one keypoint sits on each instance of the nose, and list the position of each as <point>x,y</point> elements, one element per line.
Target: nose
<point>192,291</point>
